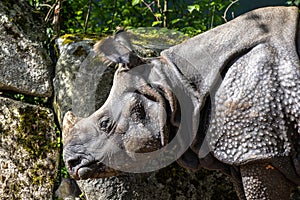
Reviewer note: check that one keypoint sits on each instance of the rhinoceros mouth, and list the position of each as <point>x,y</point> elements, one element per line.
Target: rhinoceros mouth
<point>81,169</point>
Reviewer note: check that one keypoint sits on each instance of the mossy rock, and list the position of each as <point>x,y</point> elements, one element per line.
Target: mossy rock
<point>171,182</point>
<point>73,38</point>
<point>29,151</point>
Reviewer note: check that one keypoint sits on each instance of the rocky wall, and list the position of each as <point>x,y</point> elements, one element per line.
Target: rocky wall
<point>29,146</point>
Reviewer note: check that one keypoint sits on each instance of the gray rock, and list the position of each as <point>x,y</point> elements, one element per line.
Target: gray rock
<point>28,151</point>
<point>25,66</point>
<point>76,76</point>
<point>172,182</point>
<point>68,190</point>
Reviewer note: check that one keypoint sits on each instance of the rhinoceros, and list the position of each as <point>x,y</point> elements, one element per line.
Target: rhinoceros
<point>227,99</point>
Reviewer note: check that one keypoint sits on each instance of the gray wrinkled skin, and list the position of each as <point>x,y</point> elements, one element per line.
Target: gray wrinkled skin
<point>228,98</point>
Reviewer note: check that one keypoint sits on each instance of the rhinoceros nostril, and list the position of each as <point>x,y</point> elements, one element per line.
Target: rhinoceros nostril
<point>72,163</point>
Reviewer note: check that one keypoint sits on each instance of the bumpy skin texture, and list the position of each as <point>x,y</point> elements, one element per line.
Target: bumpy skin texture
<point>263,181</point>
<point>256,103</point>
<point>257,116</point>
<point>245,77</point>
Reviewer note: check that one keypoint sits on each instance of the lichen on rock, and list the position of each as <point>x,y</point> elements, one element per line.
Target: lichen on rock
<point>29,151</point>
<point>33,132</point>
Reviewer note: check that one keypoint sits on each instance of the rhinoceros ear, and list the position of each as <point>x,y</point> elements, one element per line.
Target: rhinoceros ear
<point>112,50</point>
<point>161,93</point>
<point>123,38</point>
<point>68,123</point>
<point>118,50</point>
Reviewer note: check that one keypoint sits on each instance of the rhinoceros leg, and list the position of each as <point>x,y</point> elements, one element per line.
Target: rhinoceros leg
<point>264,181</point>
<point>237,183</point>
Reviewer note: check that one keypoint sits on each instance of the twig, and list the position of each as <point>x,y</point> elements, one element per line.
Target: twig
<point>56,17</point>
<point>165,12</point>
<point>87,16</point>
<point>159,6</point>
<point>45,5</point>
<point>47,18</point>
<point>225,13</point>
<point>213,17</point>
<point>149,8</point>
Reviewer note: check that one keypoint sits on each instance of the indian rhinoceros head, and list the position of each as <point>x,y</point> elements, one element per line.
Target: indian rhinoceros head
<point>137,118</point>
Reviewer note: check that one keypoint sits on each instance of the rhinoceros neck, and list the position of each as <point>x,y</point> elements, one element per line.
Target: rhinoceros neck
<point>203,59</point>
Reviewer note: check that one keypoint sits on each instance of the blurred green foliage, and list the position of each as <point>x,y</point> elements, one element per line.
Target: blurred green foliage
<point>191,17</point>
<point>42,101</point>
<point>293,2</point>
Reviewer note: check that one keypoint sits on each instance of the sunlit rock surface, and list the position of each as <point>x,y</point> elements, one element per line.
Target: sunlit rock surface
<point>25,66</point>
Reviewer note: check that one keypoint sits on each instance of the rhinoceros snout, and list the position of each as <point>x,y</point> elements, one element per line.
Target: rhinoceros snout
<point>84,168</point>
<point>73,162</point>
<point>81,166</point>
<point>71,165</point>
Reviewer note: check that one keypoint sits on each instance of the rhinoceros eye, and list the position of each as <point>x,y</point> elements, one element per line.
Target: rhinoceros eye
<point>104,124</point>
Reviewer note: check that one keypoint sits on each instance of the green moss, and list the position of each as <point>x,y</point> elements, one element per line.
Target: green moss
<point>56,49</point>
<point>36,173</point>
<point>70,38</point>
<point>33,132</point>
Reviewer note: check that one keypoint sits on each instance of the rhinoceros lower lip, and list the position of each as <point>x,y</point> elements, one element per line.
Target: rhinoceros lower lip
<point>85,169</point>
<point>93,170</point>
<point>84,172</point>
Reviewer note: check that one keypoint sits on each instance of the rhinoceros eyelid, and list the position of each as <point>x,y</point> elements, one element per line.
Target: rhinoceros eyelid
<point>104,123</point>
